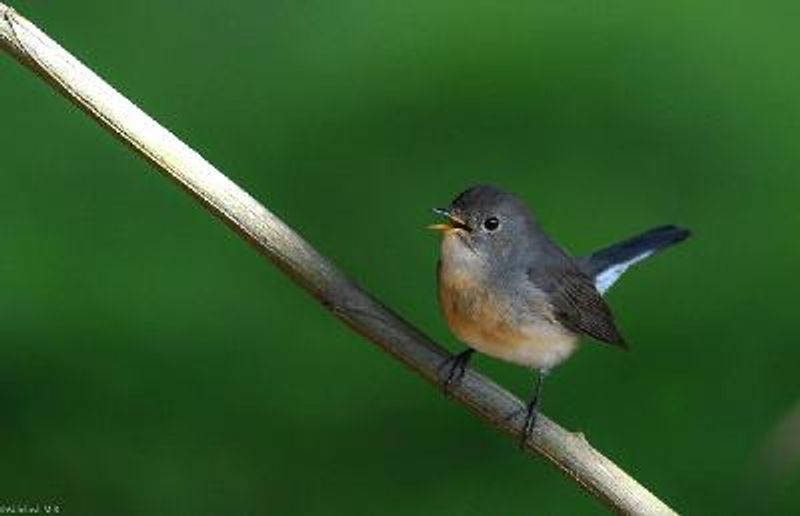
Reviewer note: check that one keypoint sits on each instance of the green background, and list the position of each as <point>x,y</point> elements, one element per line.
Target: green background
<point>153,363</point>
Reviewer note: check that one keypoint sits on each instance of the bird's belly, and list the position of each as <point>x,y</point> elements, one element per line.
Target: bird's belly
<point>539,345</point>
<point>489,326</point>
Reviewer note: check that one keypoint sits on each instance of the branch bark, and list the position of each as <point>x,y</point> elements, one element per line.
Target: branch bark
<point>569,452</point>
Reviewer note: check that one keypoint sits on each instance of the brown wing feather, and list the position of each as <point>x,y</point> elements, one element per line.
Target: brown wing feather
<point>577,304</point>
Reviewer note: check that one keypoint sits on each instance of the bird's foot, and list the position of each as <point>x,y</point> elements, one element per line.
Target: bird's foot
<point>455,366</point>
<point>532,410</point>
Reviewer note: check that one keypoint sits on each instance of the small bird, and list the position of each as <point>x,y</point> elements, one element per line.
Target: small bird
<point>509,291</point>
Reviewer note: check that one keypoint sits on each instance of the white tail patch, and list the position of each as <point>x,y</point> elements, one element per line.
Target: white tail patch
<point>604,280</point>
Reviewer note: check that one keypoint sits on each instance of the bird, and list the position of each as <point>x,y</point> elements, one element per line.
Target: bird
<point>508,290</point>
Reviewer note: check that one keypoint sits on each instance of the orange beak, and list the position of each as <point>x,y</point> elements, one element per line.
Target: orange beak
<point>440,227</point>
<point>453,222</point>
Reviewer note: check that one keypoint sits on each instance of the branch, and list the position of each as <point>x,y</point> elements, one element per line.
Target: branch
<point>569,452</point>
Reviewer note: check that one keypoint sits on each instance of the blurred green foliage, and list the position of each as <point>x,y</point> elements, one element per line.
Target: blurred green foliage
<point>152,363</point>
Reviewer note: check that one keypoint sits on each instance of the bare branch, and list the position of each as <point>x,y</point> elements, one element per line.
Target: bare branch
<point>569,452</point>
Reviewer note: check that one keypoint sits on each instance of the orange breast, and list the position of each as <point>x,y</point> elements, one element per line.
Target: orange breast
<point>490,324</point>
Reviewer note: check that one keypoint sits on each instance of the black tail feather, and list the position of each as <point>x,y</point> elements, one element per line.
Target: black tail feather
<point>651,242</point>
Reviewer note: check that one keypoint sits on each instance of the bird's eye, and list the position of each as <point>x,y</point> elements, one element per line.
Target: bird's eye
<point>491,224</point>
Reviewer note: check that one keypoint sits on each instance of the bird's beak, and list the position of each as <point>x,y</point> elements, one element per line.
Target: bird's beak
<point>453,222</point>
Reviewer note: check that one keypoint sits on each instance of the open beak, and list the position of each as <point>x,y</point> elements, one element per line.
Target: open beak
<point>452,222</point>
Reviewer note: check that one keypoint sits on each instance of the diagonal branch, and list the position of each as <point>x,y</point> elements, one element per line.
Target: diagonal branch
<point>569,452</point>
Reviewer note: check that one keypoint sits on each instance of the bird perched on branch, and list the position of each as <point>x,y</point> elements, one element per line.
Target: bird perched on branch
<point>507,290</point>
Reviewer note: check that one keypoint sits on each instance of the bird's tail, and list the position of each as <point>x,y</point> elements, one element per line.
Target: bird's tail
<point>607,265</point>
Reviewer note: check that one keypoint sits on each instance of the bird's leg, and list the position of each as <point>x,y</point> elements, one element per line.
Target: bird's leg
<point>455,366</point>
<point>532,409</point>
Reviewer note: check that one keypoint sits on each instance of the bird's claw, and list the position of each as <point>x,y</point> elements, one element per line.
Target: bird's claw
<point>455,366</point>
<point>530,423</point>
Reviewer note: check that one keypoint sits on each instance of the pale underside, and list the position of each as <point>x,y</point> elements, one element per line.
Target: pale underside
<point>527,335</point>
<point>541,345</point>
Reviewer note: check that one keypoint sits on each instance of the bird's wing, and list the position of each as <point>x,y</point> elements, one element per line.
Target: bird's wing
<point>576,303</point>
